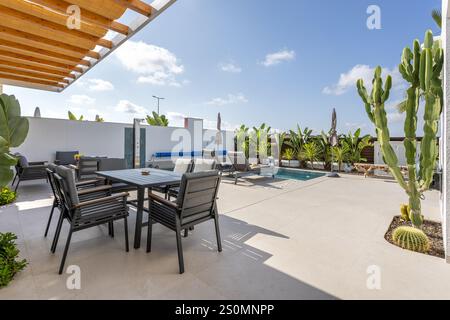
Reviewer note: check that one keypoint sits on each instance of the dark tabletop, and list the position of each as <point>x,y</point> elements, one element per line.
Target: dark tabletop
<point>134,177</point>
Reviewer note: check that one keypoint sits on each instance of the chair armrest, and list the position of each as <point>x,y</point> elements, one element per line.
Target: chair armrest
<point>72,166</point>
<point>96,189</point>
<point>37,163</point>
<point>123,195</point>
<point>88,182</point>
<point>163,201</point>
<point>34,167</point>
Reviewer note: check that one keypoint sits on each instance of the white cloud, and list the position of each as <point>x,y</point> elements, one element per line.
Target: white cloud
<point>275,58</point>
<point>81,99</point>
<point>155,65</point>
<point>230,67</point>
<point>230,99</point>
<point>396,117</point>
<point>347,81</point>
<point>131,108</point>
<point>100,85</point>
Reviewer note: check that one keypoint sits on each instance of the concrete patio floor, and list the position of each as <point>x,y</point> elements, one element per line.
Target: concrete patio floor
<point>282,240</point>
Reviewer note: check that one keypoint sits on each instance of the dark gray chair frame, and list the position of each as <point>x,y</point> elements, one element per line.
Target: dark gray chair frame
<point>64,158</point>
<point>88,214</point>
<point>89,189</point>
<point>196,204</point>
<point>34,171</point>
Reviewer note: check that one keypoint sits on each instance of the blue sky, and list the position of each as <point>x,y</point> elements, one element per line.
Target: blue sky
<point>280,62</point>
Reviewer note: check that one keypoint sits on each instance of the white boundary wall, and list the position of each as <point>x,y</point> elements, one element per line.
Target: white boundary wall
<point>46,136</point>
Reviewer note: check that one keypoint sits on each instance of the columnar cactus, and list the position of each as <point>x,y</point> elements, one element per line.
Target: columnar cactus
<point>13,131</point>
<point>422,69</point>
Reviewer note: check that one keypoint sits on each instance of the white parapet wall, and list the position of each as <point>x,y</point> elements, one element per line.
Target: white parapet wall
<point>46,136</point>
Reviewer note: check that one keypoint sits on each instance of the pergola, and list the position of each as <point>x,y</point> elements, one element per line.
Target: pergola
<point>49,44</point>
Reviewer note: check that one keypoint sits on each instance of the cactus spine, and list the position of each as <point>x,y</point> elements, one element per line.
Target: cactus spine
<point>422,69</point>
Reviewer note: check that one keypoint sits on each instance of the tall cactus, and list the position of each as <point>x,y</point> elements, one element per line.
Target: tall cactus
<point>421,68</point>
<point>13,131</point>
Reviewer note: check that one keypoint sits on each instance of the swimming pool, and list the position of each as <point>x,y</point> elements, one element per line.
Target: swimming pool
<point>294,174</point>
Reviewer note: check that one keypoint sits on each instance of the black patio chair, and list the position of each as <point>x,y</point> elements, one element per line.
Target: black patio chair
<point>195,204</point>
<point>86,168</point>
<point>65,158</point>
<point>27,171</point>
<point>86,214</point>
<point>87,190</point>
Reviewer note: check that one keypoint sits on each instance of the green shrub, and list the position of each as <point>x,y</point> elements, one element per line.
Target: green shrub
<point>411,239</point>
<point>9,265</point>
<point>7,196</point>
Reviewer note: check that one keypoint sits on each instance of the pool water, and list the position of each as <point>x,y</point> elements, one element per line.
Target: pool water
<point>297,174</point>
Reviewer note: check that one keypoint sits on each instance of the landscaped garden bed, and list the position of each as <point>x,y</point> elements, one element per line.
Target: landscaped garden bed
<point>431,228</point>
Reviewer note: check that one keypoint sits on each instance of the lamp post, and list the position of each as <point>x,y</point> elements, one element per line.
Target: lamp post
<point>159,99</point>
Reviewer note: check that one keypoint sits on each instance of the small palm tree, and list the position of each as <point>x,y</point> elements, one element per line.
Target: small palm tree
<point>260,139</point>
<point>340,154</point>
<point>157,120</point>
<point>288,154</point>
<point>280,139</point>
<point>310,152</point>
<point>99,119</point>
<point>242,139</point>
<point>74,118</point>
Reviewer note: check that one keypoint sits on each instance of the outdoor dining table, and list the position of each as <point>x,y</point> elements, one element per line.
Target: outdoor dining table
<point>136,178</point>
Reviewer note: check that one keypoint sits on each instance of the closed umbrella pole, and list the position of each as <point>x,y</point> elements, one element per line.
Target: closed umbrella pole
<point>334,141</point>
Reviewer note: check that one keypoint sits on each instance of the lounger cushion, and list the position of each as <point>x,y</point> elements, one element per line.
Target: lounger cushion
<point>201,165</point>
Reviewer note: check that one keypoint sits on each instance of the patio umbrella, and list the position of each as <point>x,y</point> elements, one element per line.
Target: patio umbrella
<point>334,141</point>
<point>219,130</point>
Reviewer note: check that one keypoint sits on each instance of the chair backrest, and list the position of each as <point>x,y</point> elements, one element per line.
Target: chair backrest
<point>111,164</point>
<point>65,158</point>
<point>183,166</point>
<point>87,166</point>
<point>51,171</point>
<point>238,160</point>
<point>66,177</point>
<point>198,193</point>
<point>201,165</point>
<point>22,161</point>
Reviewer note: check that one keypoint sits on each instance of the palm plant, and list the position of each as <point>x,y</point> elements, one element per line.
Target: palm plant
<point>288,154</point>
<point>242,140</point>
<point>157,120</point>
<point>260,139</point>
<point>99,119</point>
<point>437,17</point>
<point>323,141</point>
<point>74,117</point>
<point>356,145</point>
<point>310,152</point>
<point>299,138</point>
<point>340,154</point>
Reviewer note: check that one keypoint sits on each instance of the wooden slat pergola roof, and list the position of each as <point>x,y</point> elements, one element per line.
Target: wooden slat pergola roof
<point>39,50</point>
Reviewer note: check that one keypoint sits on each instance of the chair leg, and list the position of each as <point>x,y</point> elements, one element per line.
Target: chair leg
<point>15,177</point>
<point>186,232</point>
<point>50,218</point>
<point>66,249</point>
<point>216,224</point>
<point>111,228</point>
<point>149,234</point>
<point>17,186</point>
<point>58,231</point>
<point>127,244</point>
<point>180,252</point>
